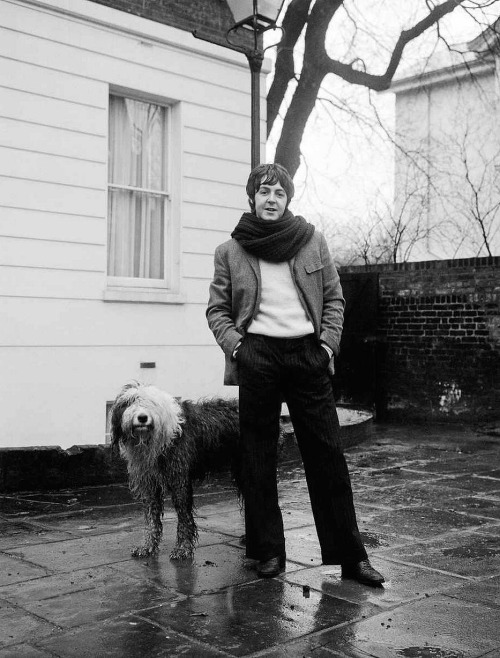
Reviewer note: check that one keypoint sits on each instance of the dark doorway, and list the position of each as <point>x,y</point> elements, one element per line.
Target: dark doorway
<point>359,368</point>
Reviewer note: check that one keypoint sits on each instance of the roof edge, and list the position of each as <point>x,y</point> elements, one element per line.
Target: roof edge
<point>475,67</point>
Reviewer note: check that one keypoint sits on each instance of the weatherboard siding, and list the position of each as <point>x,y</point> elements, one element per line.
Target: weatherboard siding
<point>65,351</point>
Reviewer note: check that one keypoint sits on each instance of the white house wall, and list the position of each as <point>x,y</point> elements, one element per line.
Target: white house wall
<point>431,121</point>
<point>65,352</point>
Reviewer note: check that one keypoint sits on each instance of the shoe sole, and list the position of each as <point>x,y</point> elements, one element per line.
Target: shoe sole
<point>270,574</point>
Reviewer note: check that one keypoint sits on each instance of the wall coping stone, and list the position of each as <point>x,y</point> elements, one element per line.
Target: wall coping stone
<point>466,263</point>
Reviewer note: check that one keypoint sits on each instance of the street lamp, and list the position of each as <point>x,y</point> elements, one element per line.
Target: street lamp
<point>255,16</point>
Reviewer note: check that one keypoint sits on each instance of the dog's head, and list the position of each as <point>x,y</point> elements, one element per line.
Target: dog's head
<point>144,418</point>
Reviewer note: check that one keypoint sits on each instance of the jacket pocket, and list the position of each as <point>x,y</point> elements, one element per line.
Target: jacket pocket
<point>314,266</point>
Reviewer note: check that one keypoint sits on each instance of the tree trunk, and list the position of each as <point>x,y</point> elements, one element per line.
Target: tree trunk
<point>314,69</point>
<point>301,106</point>
<point>284,71</point>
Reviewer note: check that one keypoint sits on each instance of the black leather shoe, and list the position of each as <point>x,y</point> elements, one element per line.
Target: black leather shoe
<point>272,567</point>
<point>364,573</point>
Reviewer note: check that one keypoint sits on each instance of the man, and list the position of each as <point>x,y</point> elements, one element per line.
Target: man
<point>276,309</point>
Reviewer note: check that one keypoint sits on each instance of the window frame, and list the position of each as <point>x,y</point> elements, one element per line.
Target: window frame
<point>107,427</point>
<point>168,289</point>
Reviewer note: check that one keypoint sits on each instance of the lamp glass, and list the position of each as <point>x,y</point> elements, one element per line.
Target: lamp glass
<point>269,8</point>
<point>243,9</point>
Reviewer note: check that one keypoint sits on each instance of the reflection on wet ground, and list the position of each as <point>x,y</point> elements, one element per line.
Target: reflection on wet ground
<point>428,503</point>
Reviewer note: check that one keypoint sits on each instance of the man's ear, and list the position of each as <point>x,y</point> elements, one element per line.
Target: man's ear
<point>251,203</point>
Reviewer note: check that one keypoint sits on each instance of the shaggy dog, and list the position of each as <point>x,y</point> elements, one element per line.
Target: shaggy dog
<point>167,444</point>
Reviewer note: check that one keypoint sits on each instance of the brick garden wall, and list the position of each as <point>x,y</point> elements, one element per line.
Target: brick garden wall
<point>439,329</point>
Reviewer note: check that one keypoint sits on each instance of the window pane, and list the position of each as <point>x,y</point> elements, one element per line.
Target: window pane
<point>136,234</point>
<point>137,142</point>
<point>136,220</point>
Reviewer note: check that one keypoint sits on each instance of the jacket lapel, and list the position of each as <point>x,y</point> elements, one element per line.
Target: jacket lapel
<point>253,261</point>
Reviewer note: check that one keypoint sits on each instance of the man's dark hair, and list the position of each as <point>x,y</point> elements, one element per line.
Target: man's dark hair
<point>269,174</point>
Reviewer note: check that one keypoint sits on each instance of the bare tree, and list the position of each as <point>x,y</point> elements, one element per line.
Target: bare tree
<point>390,234</point>
<point>476,197</point>
<point>296,88</point>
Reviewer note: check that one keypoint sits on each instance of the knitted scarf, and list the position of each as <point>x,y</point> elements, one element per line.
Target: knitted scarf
<point>273,240</point>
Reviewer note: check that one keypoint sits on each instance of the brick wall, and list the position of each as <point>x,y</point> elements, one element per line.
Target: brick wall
<point>439,329</point>
<point>211,18</point>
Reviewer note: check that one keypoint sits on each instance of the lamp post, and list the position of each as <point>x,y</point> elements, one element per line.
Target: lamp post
<point>255,16</point>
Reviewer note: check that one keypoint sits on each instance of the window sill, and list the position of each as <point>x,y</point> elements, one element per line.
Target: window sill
<point>141,295</point>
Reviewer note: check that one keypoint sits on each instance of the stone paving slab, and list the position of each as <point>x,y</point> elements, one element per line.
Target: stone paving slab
<point>437,627</point>
<point>423,522</point>
<point>474,484</point>
<point>126,637</point>
<point>214,567</point>
<point>231,521</point>
<point>489,530</point>
<point>17,626</point>
<point>454,465</point>
<point>95,520</point>
<point>404,583</point>
<point>394,476</point>
<point>256,616</point>
<point>488,508</point>
<point>427,500</point>
<point>411,495</point>
<point>17,533</point>
<point>85,596</point>
<point>302,546</point>
<point>102,496</point>
<point>15,570</point>
<point>467,554</point>
<point>87,552</point>
<point>12,507</point>
<point>24,651</point>
<point>376,540</point>
<point>485,591</point>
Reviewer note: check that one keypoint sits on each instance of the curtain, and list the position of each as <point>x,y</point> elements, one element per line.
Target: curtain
<point>136,219</point>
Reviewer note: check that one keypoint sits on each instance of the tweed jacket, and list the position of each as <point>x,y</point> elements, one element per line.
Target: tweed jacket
<point>235,291</point>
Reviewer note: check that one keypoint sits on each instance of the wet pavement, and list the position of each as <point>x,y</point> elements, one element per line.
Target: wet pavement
<point>428,503</point>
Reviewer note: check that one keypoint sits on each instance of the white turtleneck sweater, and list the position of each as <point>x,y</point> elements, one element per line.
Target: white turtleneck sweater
<point>280,313</point>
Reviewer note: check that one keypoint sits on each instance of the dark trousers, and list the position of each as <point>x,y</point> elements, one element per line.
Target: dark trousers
<point>293,369</point>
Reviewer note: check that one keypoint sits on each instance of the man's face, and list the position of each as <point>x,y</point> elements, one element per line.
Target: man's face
<point>270,201</point>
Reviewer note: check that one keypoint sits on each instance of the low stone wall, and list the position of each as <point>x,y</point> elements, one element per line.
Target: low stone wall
<point>42,468</point>
<point>439,330</point>
<point>52,468</point>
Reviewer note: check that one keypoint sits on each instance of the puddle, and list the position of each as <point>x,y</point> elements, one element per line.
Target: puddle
<point>429,652</point>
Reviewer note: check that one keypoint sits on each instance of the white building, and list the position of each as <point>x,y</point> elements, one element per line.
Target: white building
<point>124,153</point>
<point>447,183</point>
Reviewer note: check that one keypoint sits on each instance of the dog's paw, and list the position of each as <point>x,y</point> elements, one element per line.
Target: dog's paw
<point>182,553</point>
<point>143,551</point>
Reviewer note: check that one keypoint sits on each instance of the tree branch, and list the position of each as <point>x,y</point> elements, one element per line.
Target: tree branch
<point>381,82</point>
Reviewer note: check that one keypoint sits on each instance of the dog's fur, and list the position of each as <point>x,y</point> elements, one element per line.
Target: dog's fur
<point>167,444</point>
